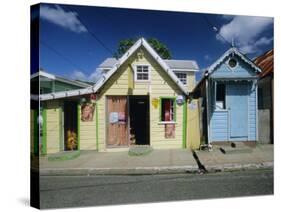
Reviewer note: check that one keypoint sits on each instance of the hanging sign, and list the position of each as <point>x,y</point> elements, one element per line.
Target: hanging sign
<point>93,98</point>
<point>180,99</point>
<point>155,102</point>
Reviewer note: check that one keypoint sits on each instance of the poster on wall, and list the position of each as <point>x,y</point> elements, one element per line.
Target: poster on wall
<point>170,130</point>
<point>87,111</point>
<point>113,117</point>
<point>122,118</point>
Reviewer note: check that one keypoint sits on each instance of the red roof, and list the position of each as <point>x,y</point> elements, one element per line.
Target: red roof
<point>265,62</point>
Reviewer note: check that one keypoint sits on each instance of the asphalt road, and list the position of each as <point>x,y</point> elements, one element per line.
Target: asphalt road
<point>75,191</point>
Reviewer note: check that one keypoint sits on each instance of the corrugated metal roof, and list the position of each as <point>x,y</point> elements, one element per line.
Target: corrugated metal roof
<point>182,64</point>
<point>108,63</point>
<point>50,76</point>
<point>173,64</point>
<point>265,62</point>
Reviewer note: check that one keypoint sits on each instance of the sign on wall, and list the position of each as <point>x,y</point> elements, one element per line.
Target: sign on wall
<point>180,100</point>
<point>155,102</point>
<point>87,111</point>
<point>192,106</point>
<point>113,117</point>
<point>170,130</point>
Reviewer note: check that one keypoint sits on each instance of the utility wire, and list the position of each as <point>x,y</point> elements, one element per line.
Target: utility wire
<point>93,35</point>
<point>215,29</point>
<point>61,55</point>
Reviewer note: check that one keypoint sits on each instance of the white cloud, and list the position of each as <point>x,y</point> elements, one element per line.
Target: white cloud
<point>78,75</point>
<point>254,47</point>
<point>93,77</point>
<point>245,32</point>
<point>263,41</point>
<point>248,49</point>
<point>58,16</point>
<point>207,57</point>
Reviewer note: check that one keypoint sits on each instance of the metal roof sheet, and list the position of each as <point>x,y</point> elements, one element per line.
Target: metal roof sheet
<point>189,65</point>
<point>182,64</point>
<point>44,74</point>
<point>108,63</point>
<point>265,62</point>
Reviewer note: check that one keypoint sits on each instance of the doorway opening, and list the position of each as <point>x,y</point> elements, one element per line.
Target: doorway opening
<point>70,126</point>
<point>139,120</point>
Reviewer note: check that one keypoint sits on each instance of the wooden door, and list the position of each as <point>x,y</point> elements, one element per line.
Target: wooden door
<point>117,121</point>
<point>238,109</point>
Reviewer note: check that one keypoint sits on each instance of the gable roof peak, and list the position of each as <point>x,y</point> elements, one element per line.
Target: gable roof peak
<point>140,42</point>
<point>233,50</point>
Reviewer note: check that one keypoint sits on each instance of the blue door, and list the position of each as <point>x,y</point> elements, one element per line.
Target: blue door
<point>237,104</point>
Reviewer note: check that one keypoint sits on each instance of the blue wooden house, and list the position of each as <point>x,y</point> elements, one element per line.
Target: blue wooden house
<point>228,92</point>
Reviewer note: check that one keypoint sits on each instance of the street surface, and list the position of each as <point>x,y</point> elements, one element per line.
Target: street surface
<point>77,191</point>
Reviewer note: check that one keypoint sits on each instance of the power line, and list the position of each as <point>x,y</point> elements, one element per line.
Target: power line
<point>61,55</point>
<point>92,33</point>
<point>215,29</point>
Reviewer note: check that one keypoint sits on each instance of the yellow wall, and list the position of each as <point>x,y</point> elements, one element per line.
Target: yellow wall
<point>190,80</point>
<point>160,85</point>
<point>53,126</point>
<point>120,84</point>
<point>193,131</point>
<point>88,134</point>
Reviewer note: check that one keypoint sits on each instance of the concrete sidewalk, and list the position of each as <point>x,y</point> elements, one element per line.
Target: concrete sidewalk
<point>221,158</point>
<point>225,157</point>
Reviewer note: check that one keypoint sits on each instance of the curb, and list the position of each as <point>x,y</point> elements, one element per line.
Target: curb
<point>236,167</point>
<point>152,170</point>
<point>118,171</point>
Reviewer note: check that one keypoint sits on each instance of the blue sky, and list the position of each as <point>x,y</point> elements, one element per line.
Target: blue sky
<point>67,49</point>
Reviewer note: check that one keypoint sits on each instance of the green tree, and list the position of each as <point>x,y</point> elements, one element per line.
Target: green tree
<point>158,46</point>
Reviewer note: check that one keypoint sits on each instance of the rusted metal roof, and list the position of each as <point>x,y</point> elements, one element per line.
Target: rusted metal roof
<point>265,62</point>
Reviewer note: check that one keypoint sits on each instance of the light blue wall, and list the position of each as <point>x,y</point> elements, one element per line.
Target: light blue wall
<point>242,70</point>
<point>219,123</point>
<point>252,110</point>
<point>219,120</point>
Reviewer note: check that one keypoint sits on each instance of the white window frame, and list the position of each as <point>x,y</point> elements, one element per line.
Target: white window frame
<point>217,108</point>
<point>181,72</point>
<point>135,72</point>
